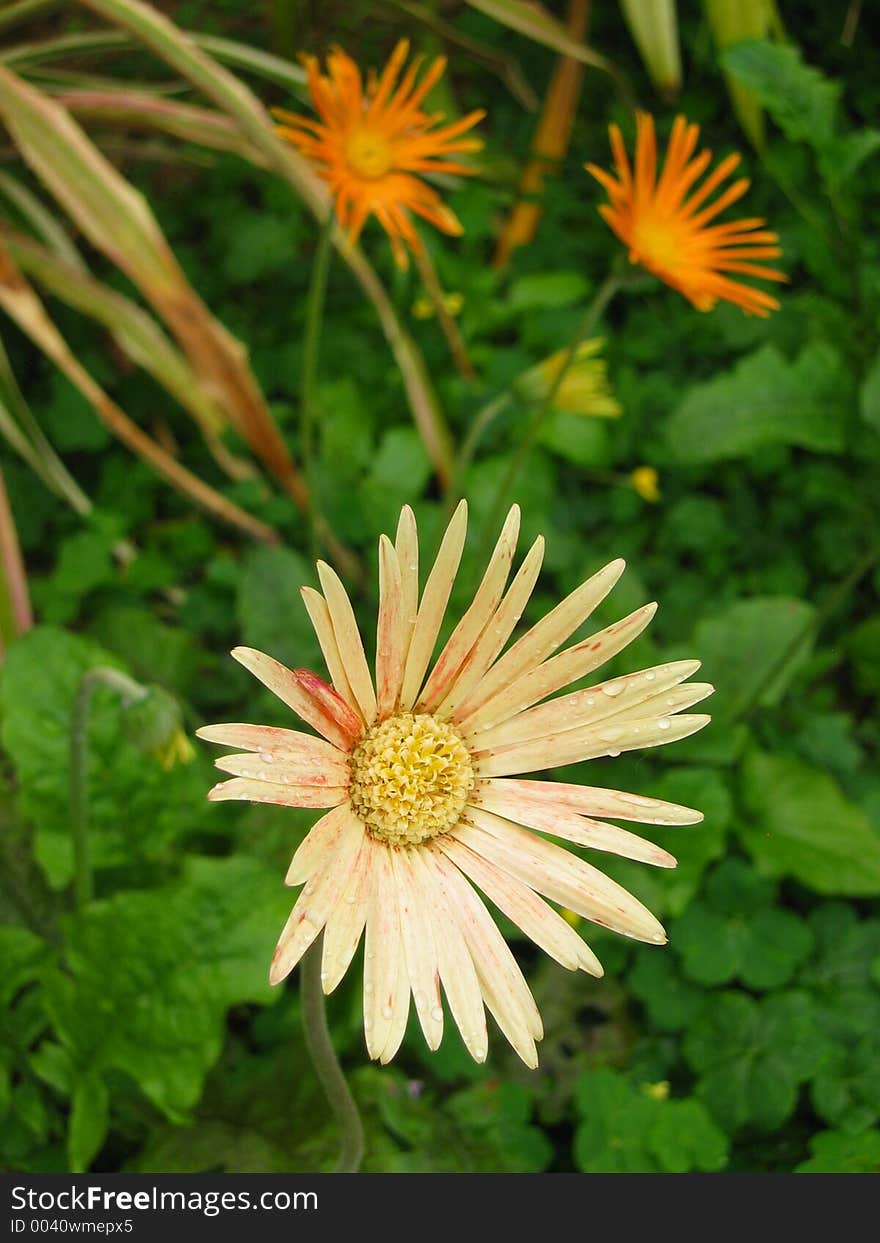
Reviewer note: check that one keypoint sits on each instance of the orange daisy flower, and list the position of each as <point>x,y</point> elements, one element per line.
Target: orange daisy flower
<point>372,138</point>
<point>667,228</point>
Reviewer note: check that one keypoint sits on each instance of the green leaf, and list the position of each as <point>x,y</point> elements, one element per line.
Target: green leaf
<point>89,1119</point>
<point>764,400</point>
<point>671,1002</point>
<point>633,1129</point>
<point>750,645</point>
<point>150,976</point>
<point>863,646</point>
<point>136,808</point>
<point>800,99</point>
<point>835,1152</point>
<point>802,825</point>
<point>271,613</point>
<point>869,395</point>
<point>751,1057</point>
<point>23,955</point>
<point>538,291</point>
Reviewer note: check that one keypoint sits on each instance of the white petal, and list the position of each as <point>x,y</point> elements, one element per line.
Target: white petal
<point>539,682</point>
<point>268,738</point>
<point>319,615</point>
<point>592,801</point>
<point>281,769</point>
<point>317,846</point>
<point>469,629</point>
<point>406,545</point>
<point>504,989</point>
<point>559,874</point>
<point>316,900</point>
<point>575,745</point>
<point>525,908</point>
<point>457,972</point>
<point>348,639</point>
<point>543,638</point>
<point>345,923</point>
<point>497,632</point>
<point>384,963</point>
<point>245,789</point>
<point>569,825</point>
<point>389,631</point>
<point>434,600</point>
<point>286,684</point>
<point>418,942</point>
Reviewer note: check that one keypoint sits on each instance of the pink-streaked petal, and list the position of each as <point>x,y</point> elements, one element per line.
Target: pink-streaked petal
<point>558,874</point>
<point>434,600</point>
<point>283,770</point>
<point>472,624</point>
<point>348,639</point>
<point>345,923</point>
<point>543,639</point>
<point>417,932</point>
<point>319,615</point>
<point>316,848</point>
<point>614,698</point>
<point>497,632</point>
<point>245,789</point>
<point>386,985</point>
<point>531,914</point>
<point>561,670</point>
<point>273,741</point>
<point>389,631</point>
<point>406,545</point>
<point>504,988</point>
<point>332,703</point>
<point>561,796</point>
<point>569,825</point>
<point>573,746</point>
<point>457,972</point>
<point>316,900</point>
<point>285,683</point>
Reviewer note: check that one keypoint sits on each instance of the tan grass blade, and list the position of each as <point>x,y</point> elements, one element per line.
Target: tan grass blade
<point>15,606</point>
<point>183,53</point>
<point>21,303</point>
<point>118,221</point>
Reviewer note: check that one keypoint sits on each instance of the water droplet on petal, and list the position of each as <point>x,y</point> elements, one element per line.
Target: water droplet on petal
<point>387,1012</point>
<point>663,724</point>
<point>267,757</point>
<point>612,688</point>
<point>437,1014</point>
<point>612,754</point>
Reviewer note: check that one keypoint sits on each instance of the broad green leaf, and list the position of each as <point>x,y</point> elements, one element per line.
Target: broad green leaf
<point>23,955</point>
<point>802,825</point>
<point>764,400</point>
<point>149,975</point>
<point>751,1057</point>
<point>752,650</point>
<point>671,1002</point>
<point>869,395</point>
<point>89,1119</point>
<point>800,99</point>
<point>136,808</point>
<point>632,1129</point>
<point>836,1152</point>
<point>653,25</point>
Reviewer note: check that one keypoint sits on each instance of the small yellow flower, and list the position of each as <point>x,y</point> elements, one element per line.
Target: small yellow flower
<point>667,228</point>
<point>422,773</point>
<point>424,308</point>
<point>657,1091</point>
<point>371,140</point>
<point>645,481</point>
<point>584,388</point>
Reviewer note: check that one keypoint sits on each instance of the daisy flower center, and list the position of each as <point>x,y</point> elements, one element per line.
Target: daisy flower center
<point>410,778</point>
<point>369,154</point>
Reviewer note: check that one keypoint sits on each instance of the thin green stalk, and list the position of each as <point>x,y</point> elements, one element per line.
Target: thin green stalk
<point>308,377</point>
<point>479,424</point>
<point>130,691</point>
<point>326,1063</point>
<point>603,296</point>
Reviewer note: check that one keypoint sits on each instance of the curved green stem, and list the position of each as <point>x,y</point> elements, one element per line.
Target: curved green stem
<point>603,296</point>
<point>480,423</point>
<point>326,1063</point>
<point>311,349</point>
<point>130,691</point>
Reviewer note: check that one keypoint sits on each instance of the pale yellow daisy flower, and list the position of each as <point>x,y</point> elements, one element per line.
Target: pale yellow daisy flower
<point>422,773</point>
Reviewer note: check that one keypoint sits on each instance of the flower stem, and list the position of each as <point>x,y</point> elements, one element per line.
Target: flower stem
<point>454,339</point>
<point>130,691</point>
<point>308,376</point>
<point>326,1063</point>
<point>603,296</point>
<point>484,416</point>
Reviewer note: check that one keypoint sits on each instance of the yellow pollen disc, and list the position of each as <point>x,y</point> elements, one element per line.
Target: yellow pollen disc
<point>369,154</point>
<point>410,779</point>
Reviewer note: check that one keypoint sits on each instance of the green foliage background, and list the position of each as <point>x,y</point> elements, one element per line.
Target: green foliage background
<point>140,1034</point>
